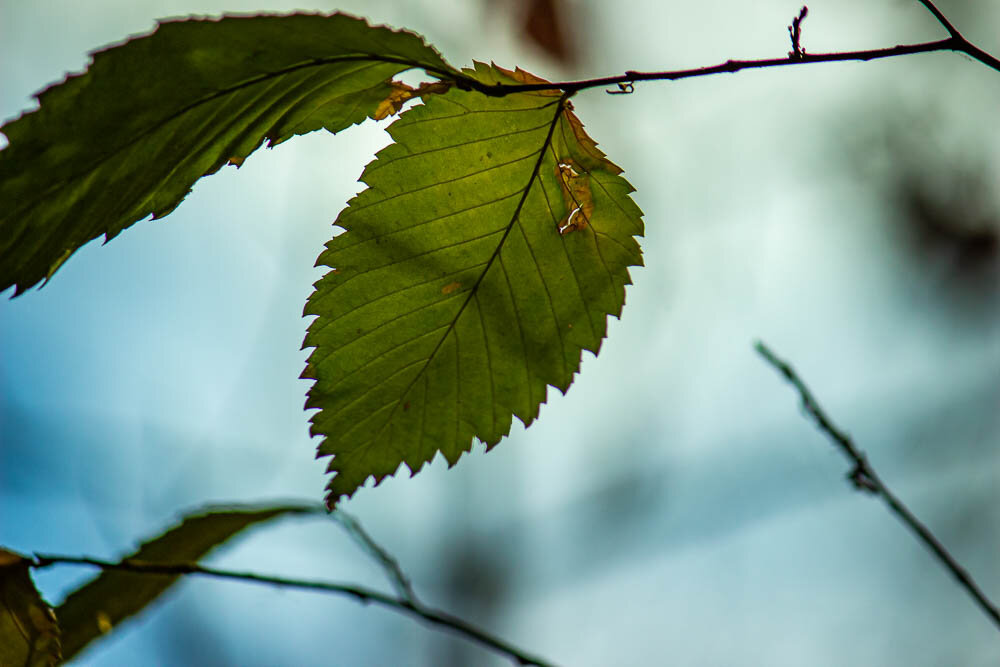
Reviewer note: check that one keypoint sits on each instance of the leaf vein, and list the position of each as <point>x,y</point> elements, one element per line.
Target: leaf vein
<point>514,219</point>
<point>356,208</point>
<point>381,165</point>
<point>318,360</point>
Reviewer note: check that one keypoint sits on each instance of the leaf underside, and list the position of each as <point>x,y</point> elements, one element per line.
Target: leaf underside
<point>492,243</point>
<point>130,137</point>
<point>113,596</point>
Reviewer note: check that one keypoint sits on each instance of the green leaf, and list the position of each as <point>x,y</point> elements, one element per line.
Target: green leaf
<point>100,605</point>
<point>490,247</point>
<point>131,136</point>
<point>29,633</point>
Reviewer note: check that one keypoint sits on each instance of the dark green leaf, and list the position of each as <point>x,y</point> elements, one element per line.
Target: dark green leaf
<point>493,242</point>
<point>29,634</point>
<point>100,605</point>
<point>131,136</point>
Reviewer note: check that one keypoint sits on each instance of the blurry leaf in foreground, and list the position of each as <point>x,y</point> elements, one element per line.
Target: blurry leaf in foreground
<point>129,137</point>
<point>29,633</point>
<point>100,605</point>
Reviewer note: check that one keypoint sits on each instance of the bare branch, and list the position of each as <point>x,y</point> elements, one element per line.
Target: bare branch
<point>798,56</point>
<point>795,33</point>
<point>362,594</point>
<point>864,478</point>
<point>952,30</point>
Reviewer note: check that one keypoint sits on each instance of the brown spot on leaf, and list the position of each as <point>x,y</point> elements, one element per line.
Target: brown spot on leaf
<point>237,161</point>
<point>402,93</point>
<point>450,287</point>
<point>575,186</point>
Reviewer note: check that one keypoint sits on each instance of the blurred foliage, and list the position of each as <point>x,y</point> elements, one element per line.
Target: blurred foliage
<point>29,633</point>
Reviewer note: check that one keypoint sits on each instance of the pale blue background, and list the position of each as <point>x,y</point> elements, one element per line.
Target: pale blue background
<point>674,507</point>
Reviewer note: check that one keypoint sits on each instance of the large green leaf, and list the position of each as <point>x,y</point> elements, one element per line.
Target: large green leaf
<point>129,138</point>
<point>29,634</point>
<point>486,254</point>
<point>101,604</point>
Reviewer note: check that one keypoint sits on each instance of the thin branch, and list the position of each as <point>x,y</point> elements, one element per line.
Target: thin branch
<point>361,593</point>
<point>864,478</point>
<point>733,66</point>
<point>798,56</point>
<point>795,34</point>
<point>952,30</point>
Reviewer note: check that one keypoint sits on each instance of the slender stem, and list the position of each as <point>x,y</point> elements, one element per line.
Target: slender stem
<point>941,19</point>
<point>362,594</point>
<point>733,66</point>
<point>391,566</point>
<point>864,477</point>
<point>955,42</point>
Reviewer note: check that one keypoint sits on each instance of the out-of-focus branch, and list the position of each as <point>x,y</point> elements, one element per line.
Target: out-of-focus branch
<point>864,478</point>
<point>361,593</point>
<point>391,566</point>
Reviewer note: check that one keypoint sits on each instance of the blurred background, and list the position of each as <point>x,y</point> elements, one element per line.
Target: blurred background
<point>675,507</point>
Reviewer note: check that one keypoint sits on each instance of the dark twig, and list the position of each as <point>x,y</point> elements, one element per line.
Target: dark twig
<point>955,42</point>
<point>863,477</point>
<point>952,30</point>
<point>362,594</point>
<point>795,33</point>
<point>733,66</point>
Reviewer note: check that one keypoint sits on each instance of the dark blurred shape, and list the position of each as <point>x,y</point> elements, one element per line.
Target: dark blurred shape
<point>476,582</point>
<point>944,196</point>
<point>959,221</point>
<point>545,24</point>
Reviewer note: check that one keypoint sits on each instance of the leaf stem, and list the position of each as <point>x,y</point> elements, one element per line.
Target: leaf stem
<point>361,593</point>
<point>864,478</point>
<point>389,564</point>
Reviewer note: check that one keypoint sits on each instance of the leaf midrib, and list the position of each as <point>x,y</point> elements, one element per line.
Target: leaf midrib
<point>263,78</point>
<point>475,288</point>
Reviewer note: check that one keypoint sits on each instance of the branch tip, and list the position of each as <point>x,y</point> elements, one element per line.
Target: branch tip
<point>795,33</point>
